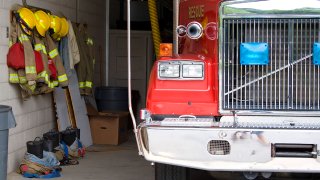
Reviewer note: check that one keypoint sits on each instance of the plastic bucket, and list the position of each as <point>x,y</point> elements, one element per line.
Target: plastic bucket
<point>112,98</point>
<point>7,121</point>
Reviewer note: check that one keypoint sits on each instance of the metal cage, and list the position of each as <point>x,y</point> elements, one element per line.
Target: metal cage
<point>291,81</point>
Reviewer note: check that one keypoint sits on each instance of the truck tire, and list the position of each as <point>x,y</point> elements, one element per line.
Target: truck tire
<point>169,172</point>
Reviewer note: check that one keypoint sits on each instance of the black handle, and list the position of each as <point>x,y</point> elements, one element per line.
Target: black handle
<point>37,139</point>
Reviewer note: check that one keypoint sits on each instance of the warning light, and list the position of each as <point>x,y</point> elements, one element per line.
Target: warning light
<point>165,49</point>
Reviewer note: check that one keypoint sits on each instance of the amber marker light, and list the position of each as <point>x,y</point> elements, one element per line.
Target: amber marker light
<point>165,49</point>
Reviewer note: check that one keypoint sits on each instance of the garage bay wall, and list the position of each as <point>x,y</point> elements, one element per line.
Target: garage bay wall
<point>36,115</point>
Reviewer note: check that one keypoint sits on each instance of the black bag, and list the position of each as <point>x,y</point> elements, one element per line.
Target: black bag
<point>35,147</point>
<point>69,135</point>
<point>48,145</point>
<point>54,136</point>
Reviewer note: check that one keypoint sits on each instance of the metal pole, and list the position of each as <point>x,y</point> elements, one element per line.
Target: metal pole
<point>175,25</point>
<point>129,75</point>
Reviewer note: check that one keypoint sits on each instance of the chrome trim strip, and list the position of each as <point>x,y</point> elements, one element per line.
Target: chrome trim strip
<point>271,9</point>
<point>271,113</point>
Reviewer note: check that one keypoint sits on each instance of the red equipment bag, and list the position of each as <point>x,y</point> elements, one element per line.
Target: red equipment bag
<point>39,63</point>
<point>52,68</point>
<point>15,56</point>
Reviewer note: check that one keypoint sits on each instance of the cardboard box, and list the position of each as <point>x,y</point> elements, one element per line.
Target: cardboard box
<point>109,128</point>
<point>92,111</point>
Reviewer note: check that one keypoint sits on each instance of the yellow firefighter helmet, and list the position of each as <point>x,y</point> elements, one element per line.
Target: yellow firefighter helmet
<point>43,22</point>
<point>55,24</point>
<point>27,20</point>
<point>64,28</point>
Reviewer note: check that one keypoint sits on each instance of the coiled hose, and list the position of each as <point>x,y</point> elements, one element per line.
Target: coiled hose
<point>154,25</point>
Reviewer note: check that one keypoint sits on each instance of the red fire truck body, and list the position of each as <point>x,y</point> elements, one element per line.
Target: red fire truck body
<point>242,94</point>
<point>185,97</point>
<point>188,96</point>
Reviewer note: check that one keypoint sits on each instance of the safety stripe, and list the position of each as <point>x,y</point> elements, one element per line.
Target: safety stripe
<point>38,47</point>
<point>46,78</point>
<point>10,43</point>
<point>22,80</point>
<point>50,85</point>
<point>55,83</point>
<point>31,70</point>
<point>53,53</point>
<point>90,41</point>
<point>32,87</point>
<point>94,61</point>
<point>62,78</point>
<point>13,78</point>
<point>82,85</point>
<point>44,50</point>
<point>88,84</point>
<point>42,74</point>
<point>23,37</point>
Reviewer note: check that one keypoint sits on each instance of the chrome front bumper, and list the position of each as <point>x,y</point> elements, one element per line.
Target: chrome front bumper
<point>250,149</point>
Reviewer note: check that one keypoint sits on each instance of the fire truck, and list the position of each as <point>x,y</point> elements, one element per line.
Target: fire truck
<point>241,94</point>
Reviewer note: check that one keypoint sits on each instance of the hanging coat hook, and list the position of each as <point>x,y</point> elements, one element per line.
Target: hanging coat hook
<point>33,8</point>
<point>24,2</point>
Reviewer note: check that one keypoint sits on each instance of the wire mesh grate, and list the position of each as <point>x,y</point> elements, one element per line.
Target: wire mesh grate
<point>219,147</point>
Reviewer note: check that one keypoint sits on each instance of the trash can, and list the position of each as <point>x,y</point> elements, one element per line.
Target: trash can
<point>112,98</point>
<point>7,121</point>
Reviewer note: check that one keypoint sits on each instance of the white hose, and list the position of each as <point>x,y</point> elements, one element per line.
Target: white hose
<point>129,75</point>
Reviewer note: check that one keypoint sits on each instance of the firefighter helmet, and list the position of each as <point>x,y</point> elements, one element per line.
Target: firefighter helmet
<point>26,19</point>
<point>64,27</point>
<point>63,31</point>
<point>42,23</point>
<point>55,24</point>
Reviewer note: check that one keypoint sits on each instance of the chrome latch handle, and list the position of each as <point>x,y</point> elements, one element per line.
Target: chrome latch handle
<point>187,116</point>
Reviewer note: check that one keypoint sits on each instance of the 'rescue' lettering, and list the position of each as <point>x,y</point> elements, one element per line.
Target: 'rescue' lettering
<point>196,11</point>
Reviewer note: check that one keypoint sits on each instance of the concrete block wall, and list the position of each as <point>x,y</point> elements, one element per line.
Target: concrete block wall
<point>36,115</point>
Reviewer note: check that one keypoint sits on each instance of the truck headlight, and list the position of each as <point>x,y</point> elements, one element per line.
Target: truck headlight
<point>192,70</point>
<point>167,70</point>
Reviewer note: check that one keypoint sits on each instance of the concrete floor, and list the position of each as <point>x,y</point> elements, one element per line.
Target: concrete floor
<point>123,163</point>
<point>107,162</point>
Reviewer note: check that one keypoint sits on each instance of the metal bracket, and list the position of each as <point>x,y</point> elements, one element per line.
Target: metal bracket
<point>235,118</point>
<point>25,4</point>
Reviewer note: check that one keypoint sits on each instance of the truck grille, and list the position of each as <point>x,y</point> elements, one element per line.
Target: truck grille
<point>219,147</point>
<point>289,82</point>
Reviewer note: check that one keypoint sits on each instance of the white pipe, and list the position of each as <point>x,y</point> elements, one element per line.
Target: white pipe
<point>129,75</point>
<point>106,69</point>
<point>175,25</point>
